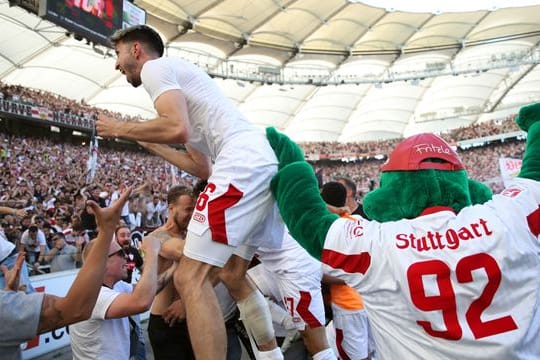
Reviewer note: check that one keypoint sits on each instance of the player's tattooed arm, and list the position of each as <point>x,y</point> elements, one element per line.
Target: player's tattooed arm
<point>172,247</point>
<point>166,277</point>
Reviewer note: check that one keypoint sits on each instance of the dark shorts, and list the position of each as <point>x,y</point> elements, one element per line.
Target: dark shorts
<point>169,342</point>
<point>173,342</point>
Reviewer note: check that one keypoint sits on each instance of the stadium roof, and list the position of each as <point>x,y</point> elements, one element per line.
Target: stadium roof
<point>319,70</point>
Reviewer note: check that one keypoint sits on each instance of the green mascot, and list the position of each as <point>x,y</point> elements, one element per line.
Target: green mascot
<point>447,270</point>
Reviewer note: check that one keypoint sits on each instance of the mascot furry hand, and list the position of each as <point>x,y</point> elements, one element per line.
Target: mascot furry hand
<point>422,172</point>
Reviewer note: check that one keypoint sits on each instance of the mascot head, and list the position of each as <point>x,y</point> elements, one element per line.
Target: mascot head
<point>422,172</point>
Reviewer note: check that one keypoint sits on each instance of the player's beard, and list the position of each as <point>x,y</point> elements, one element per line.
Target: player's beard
<point>133,76</point>
<point>134,81</point>
<point>180,225</point>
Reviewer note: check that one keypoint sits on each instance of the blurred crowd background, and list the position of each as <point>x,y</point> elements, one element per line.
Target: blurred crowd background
<point>45,172</point>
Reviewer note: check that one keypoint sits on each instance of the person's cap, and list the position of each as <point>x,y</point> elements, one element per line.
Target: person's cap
<point>113,248</point>
<point>423,151</point>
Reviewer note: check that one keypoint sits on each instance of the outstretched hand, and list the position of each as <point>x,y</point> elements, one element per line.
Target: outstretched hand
<point>12,275</point>
<point>107,126</point>
<point>141,189</point>
<point>108,217</point>
<point>20,213</point>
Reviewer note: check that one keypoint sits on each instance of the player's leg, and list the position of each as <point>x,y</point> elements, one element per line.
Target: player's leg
<point>192,281</point>
<point>204,317</point>
<point>267,283</point>
<point>253,308</point>
<point>235,206</point>
<point>303,298</point>
<point>316,343</point>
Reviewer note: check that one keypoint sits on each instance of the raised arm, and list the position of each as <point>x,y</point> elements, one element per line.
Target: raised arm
<point>170,127</point>
<point>296,190</point>
<point>143,294</point>
<point>5,210</point>
<point>77,305</point>
<point>191,160</point>
<point>529,121</point>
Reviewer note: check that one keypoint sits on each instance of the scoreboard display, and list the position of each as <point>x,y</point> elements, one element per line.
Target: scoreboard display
<point>94,20</point>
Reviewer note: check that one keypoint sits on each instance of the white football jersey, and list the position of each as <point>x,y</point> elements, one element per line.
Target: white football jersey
<point>214,120</point>
<point>290,260</point>
<point>244,210</point>
<point>447,286</point>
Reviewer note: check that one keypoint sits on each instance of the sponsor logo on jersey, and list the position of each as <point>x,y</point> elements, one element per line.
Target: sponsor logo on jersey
<point>512,191</point>
<point>449,239</point>
<point>198,217</point>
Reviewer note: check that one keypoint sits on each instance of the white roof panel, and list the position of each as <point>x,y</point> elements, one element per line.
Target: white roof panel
<point>391,73</point>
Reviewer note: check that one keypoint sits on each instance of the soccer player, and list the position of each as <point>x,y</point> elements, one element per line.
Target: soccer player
<point>236,209</point>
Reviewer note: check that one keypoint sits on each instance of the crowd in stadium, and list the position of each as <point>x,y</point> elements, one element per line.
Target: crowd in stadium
<point>47,177</point>
<point>190,232</point>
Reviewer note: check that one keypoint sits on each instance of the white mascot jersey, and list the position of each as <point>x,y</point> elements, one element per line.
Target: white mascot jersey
<point>442,279</point>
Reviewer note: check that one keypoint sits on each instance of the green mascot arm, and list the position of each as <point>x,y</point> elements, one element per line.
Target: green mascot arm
<point>529,121</point>
<point>296,190</point>
<point>297,194</point>
<point>286,150</point>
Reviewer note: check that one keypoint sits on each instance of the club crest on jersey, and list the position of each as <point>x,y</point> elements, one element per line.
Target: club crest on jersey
<point>355,229</point>
<point>512,191</point>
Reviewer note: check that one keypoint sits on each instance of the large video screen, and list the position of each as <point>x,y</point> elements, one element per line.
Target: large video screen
<point>94,20</point>
<point>132,15</point>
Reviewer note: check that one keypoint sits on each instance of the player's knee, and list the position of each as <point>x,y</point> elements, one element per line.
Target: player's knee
<point>256,316</point>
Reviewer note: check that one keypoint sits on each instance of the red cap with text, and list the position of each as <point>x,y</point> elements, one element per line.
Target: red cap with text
<point>414,153</point>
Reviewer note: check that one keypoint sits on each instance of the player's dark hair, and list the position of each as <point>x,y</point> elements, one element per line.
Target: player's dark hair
<point>142,33</point>
<point>176,191</point>
<point>334,193</point>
